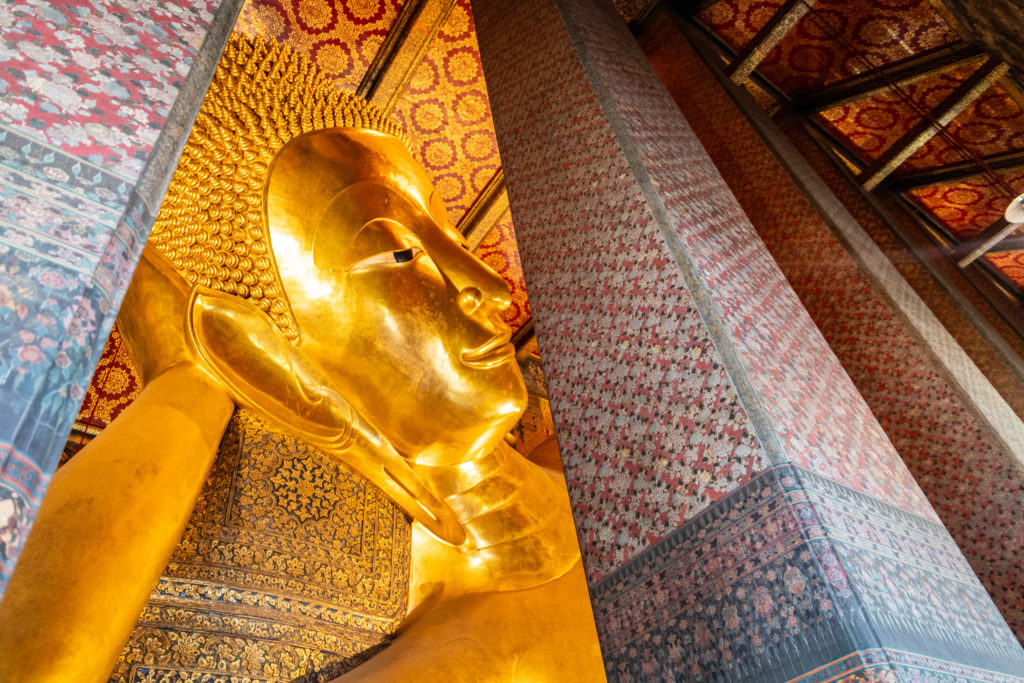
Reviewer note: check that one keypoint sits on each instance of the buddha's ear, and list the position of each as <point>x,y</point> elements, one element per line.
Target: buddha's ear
<point>263,371</point>
<point>243,348</point>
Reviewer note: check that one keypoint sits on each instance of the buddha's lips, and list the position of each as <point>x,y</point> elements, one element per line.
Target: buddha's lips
<point>495,351</point>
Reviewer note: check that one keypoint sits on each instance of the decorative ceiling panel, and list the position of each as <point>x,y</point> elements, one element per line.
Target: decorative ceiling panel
<point>869,126</point>
<point>992,124</point>
<point>447,115</point>
<point>969,206</point>
<point>839,39</point>
<point>631,9</point>
<point>736,22</point>
<point>341,37</point>
<point>1011,263</point>
<point>498,250</point>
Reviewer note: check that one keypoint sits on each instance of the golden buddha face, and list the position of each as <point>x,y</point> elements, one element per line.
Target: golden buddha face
<point>388,300</point>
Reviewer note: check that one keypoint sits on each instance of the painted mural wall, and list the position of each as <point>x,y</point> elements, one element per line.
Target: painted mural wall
<point>95,98</point>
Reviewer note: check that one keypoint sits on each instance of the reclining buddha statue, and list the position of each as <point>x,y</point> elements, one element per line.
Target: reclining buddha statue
<point>314,480</point>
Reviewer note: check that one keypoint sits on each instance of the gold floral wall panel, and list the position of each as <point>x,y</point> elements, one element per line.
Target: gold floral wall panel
<point>290,566</point>
<point>341,37</point>
<point>500,251</point>
<point>447,115</point>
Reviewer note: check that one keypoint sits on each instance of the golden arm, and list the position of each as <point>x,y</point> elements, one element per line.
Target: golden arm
<point>106,529</point>
<point>113,514</point>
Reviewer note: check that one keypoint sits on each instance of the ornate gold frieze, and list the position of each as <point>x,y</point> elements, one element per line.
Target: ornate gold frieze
<point>291,565</point>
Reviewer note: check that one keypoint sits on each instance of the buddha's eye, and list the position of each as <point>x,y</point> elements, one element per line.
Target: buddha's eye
<point>386,257</point>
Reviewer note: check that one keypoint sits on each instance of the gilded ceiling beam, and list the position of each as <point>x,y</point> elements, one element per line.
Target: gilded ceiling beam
<point>918,67</point>
<point>966,93</point>
<point>992,238</point>
<point>770,35</point>
<point>489,206</point>
<point>408,40</point>
<point>954,172</point>
<point>1014,243</point>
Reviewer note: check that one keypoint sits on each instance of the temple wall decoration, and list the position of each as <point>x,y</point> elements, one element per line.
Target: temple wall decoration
<point>97,100</point>
<point>733,443</point>
<point>290,567</point>
<point>773,564</point>
<point>341,38</point>
<point>969,476</point>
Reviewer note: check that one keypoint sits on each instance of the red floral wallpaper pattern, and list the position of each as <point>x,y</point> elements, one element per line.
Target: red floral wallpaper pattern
<point>737,21</point>
<point>499,250</point>
<point>341,37</point>
<point>839,39</point>
<point>447,115</point>
<point>93,78</point>
<point>869,126</point>
<point>836,40</point>
<point>969,206</point>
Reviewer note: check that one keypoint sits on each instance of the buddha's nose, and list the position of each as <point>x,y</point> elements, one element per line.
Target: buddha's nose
<point>485,291</point>
<point>470,299</point>
<point>480,289</point>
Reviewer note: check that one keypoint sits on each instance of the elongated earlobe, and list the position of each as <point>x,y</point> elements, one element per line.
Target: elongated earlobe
<point>239,345</point>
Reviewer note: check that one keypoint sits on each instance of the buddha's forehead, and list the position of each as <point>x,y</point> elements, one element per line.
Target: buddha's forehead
<point>312,169</point>
<point>341,178</point>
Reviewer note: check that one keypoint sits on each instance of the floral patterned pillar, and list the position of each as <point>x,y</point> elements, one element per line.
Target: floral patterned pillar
<point>96,99</point>
<point>742,515</point>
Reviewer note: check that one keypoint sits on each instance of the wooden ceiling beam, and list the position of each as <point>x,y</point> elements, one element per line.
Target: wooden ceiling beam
<point>952,173</point>
<point>902,73</point>
<point>766,39</point>
<point>991,238</point>
<point>402,51</point>
<point>915,138</point>
<point>1013,243</point>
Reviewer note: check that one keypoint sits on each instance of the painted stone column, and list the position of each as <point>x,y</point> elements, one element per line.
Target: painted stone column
<point>96,99</point>
<point>741,512</point>
<point>958,437</point>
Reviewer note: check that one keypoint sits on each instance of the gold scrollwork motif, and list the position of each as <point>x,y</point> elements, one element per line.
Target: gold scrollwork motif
<point>291,566</point>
